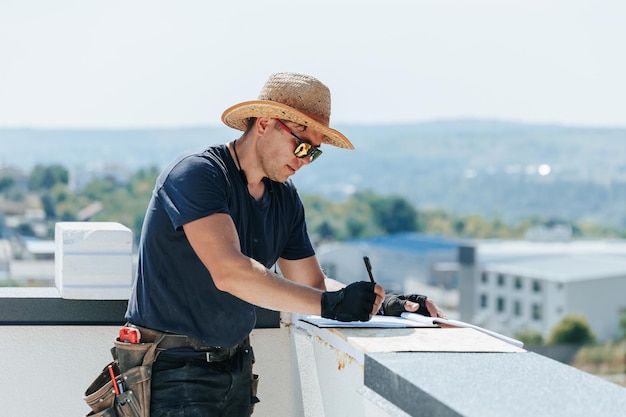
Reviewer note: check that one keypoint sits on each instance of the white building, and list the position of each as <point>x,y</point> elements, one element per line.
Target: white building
<point>519,285</point>
<point>505,286</point>
<point>5,259</point>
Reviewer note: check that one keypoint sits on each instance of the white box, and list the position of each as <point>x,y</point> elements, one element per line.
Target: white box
<point>93,260</point>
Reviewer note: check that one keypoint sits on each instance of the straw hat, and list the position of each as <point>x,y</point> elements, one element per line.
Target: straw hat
<point>289,96</point>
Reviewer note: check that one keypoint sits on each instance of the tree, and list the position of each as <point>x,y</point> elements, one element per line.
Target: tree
<point>48,206</point>
<point>355,228</point>
<point>622,326</point>
<point>530,337</point>
<point>394,215</point>
<point>46,177</point>
<point>571,329</point>
<point>459,227</point>
<point>326,231</point>
<point>6,183</point>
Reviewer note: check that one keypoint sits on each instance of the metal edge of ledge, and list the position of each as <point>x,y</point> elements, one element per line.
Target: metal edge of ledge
<point>44,306</point>
<point>60,311</point>
<point>329,337</point>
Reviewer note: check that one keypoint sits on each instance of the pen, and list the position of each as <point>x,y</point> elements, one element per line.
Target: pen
<point>115,387</point>
<point>368,266</point>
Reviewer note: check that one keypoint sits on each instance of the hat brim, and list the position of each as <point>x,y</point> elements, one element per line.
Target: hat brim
<point>237,115</point>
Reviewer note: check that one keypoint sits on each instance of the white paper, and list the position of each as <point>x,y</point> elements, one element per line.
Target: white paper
<point>456,323</point>
<point>375,322</point>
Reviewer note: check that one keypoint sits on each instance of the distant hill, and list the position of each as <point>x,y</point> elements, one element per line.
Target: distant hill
<point>136,148</point>
<point>485,167</point>
<point>489,168</point>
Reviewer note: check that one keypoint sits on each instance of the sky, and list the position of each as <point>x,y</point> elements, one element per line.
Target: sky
<point>155,63</point>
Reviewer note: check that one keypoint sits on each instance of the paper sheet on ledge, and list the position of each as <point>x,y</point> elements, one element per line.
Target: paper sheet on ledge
<point>394,334</point>
<point>375,322</point>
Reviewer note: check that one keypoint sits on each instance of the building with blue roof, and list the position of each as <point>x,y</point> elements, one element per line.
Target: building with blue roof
<point>397,260</point>
<point>506,286</point>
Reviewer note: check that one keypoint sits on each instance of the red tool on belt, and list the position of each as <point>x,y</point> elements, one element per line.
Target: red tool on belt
<point>130,335</point>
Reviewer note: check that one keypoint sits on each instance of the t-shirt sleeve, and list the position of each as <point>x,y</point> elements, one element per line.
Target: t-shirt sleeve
<point>194,188</point>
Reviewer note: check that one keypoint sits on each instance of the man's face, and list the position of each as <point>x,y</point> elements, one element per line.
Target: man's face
<point>277,148</point>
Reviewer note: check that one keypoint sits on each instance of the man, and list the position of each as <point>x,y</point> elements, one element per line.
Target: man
<point>216,224</point>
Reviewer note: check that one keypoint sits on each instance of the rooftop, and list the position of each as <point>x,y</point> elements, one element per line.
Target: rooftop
<point>565,268</point>
<point>495,249</point>
<point>56,340</point>
<point>411,242</point>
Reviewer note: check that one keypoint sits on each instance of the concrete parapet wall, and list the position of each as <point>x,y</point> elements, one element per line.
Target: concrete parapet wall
<point>53,347</point>
<point>403,373</point>
<point>46,369</point>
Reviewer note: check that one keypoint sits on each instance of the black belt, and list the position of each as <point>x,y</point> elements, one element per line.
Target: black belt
<point>177,341</point>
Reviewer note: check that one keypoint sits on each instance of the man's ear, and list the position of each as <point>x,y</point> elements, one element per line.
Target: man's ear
<point>262,125</point>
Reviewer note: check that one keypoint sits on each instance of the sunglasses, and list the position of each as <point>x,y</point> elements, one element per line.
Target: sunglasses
<point>303,149</point>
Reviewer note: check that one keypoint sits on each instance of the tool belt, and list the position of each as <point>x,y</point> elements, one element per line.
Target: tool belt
<point>177,341</point>
<point>123,387</point>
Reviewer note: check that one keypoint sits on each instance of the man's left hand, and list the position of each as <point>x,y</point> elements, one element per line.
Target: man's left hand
<point>395,305</point>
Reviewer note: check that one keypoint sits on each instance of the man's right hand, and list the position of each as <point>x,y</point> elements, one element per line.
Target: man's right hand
<point>352,303</point>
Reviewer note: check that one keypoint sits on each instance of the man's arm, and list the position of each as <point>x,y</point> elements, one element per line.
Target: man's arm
<point>307,271</point>
<point>216,242</point>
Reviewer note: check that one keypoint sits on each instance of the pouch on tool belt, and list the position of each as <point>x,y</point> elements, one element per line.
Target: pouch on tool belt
<point>132,365</point>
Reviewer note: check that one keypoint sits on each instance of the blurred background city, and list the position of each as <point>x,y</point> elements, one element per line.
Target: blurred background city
<point>488,136</point>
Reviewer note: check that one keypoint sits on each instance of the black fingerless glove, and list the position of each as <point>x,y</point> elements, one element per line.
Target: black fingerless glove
<point>393,305</point>
<point>352,303</point>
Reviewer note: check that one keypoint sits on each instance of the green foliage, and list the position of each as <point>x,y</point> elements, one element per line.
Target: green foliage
<point>6,183</point>
<point>25,229</point>
<point>362,215</point>
<point>46,177</point>
<point>571,329</point>
<point>16,195</point>
<point>367,214</point>
<point>326,231</point>
<point>358,217</point>
<point>607,358</point>
<point>530,337</point>
<point>97,188</point>
<point>48,205</point>
<point>124,203</point>
<point>60,193</point>
<point>622,326</point>
<point>394,214</point>
<point>350,219</point>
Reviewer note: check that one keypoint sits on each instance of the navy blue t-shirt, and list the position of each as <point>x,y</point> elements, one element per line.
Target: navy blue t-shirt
<point>174,291</point>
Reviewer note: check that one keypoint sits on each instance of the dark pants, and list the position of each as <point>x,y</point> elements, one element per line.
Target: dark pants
<point>184,384</point>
